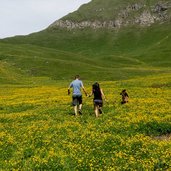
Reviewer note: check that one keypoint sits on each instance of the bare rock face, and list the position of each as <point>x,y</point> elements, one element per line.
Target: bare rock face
<point>91,24</point>
<point>143,17</point>
<point>160,8</point>
<point>146,19</point>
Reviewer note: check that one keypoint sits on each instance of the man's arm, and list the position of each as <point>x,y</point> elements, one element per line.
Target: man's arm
<point>69,92</point>
<point>84,90</point>
<point>82,86</point>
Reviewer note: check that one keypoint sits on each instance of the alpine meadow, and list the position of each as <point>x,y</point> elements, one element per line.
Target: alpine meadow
<point>120,44</point>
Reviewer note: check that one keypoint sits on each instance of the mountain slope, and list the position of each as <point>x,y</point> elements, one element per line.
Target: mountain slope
<point>101,53</point>
<point>115,14</point>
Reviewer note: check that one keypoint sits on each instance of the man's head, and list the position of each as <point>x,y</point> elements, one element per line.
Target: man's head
<point>77,77</point>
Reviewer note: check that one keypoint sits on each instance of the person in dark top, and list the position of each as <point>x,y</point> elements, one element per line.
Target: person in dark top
<point>124,97</point>
<point>98,98</point>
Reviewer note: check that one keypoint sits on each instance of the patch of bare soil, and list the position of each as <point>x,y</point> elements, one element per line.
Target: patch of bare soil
<point>166,137</point>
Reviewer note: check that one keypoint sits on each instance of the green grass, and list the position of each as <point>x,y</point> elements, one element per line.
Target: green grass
<point>40,132</point>
<point>38,128</point>
<point>108,55</point>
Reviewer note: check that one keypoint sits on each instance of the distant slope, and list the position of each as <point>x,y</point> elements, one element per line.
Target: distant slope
<point>101,54</point>
<point>144,44</point>
<point>110,9</point>
<point>115,14</point>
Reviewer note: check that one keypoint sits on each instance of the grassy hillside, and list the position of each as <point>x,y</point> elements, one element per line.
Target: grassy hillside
<point>100,54</point>
<point>9,74</point>
<point>105,10</point>
<point>39,131</point>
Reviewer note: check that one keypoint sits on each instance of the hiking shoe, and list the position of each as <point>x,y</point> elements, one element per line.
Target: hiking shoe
<point>80,112</point>
<point>100,111</point>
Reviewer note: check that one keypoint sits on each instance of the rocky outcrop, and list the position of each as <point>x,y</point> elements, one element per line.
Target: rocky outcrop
<point>146,19</point>
<point>91,24</point>
<point>142,16</point>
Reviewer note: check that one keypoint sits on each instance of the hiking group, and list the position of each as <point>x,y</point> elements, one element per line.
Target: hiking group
<point>77,85</point>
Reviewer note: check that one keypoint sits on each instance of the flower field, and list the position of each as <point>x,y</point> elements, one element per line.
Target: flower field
<point>38,130</point>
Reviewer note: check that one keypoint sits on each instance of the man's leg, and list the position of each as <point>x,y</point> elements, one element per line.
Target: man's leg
<point>80,107</point>
<point>75,104</point>
<point>76,110</point>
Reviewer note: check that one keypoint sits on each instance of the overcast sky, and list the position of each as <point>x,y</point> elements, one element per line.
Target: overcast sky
<point>21,17</point>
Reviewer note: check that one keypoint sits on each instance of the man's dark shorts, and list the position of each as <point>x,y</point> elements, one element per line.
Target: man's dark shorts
<point>98,102</point>
<point>76,100</point>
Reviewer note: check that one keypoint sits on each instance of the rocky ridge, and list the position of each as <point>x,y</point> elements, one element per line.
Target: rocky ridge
<point>143,16</point>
